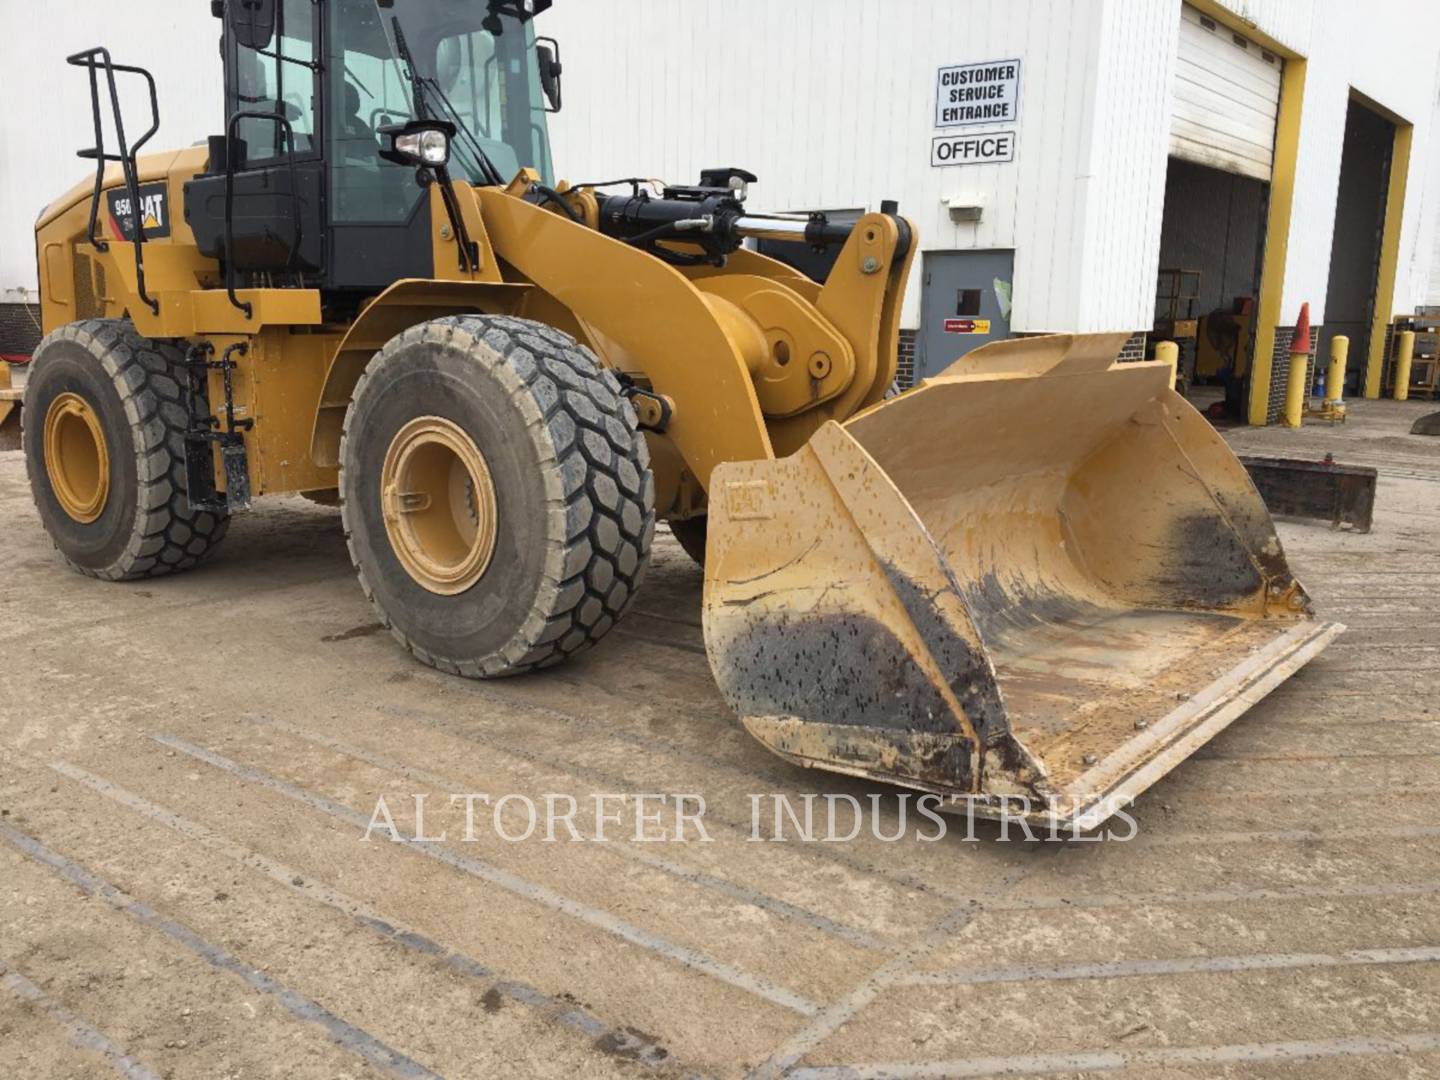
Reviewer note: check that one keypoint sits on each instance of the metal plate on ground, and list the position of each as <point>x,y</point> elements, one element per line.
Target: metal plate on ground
<point>1339,494</point>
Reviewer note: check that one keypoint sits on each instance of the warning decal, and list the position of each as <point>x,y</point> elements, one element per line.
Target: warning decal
<point>967,326</point>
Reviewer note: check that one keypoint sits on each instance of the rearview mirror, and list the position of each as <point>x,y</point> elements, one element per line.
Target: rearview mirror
<point>252,22</point>
<point>547,54</point>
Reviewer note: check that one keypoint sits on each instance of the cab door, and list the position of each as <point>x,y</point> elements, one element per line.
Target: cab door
<point>378,211</point>
<point>271,148</point>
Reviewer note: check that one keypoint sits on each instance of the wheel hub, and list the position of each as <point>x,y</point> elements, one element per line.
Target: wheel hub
<point>439,505</point>
<point>77,460</point>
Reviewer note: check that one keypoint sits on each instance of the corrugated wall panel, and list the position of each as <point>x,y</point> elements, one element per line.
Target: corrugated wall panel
<point>46,113</point>
<point>1432,291</point>
<point>1126,173</point>
<point>1424,285</point>
<point>1389,53</point>
<point>831,101</point>
<point>1420,252</point>
<point>1081,204</point>
<point>1287,21</point>
<point>832,105</point>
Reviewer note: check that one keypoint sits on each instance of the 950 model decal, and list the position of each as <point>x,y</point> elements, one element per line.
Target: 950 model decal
<point>154,212</point>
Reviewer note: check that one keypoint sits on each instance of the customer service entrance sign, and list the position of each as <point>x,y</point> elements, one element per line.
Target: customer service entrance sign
<point>983,93</point>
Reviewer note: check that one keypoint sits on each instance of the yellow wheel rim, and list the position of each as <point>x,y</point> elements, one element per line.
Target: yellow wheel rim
<point>76,458</point>
<point>439,505</point>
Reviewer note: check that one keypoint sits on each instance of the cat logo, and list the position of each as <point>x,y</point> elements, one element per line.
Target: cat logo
<point>154,212</point>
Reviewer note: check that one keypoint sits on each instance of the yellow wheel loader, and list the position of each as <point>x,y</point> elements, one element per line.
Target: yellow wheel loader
<point>1040,575</point>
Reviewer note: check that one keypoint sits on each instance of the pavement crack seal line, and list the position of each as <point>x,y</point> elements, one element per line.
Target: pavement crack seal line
<point>80,1034</point>
<point>617,1042</point>
<point>1185,965</point>
<point>1088,901</point>
<point>835,1016</point>
<point>1286,836</point>
<point>341,1032</point>
<point>684,955</point>
<point>742,893</point>
<point>1078,1061</point>
<point>1245,796</point>
<point>1285,759</point>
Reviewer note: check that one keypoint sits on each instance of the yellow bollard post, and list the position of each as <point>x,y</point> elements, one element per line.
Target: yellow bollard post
<point>1299,368</point>
<point>1333,409</point>
<point>1169,351</point>
<point>1335,377</point>
<point>1403,355</point>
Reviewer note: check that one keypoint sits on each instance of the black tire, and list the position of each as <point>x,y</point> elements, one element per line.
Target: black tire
<point>691,534</point>
<point>573,492</point>
<point>138,392</point>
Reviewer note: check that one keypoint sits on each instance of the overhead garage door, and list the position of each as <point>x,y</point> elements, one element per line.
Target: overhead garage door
<point>1227,92</point>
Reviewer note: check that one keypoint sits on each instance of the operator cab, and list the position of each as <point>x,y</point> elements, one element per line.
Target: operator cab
<point>315,94</point>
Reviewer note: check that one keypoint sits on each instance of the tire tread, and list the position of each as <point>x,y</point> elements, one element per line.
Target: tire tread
<point>601,515</point>
<point>167,534</point>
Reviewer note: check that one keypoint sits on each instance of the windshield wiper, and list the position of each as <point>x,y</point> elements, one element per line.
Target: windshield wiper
<point>411,72</point>
<point>487,167</point>
<point>469,252</point>
<point>421,88</point>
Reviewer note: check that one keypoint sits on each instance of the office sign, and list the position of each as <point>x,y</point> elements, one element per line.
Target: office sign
<point>984,148</point>
<point>984,93</point>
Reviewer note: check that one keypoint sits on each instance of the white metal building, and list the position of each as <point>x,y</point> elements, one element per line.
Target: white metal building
<point>1040,195</point>
<point>835,105</point>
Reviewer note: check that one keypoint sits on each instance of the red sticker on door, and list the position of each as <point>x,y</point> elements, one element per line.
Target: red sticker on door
<point>967,326</point>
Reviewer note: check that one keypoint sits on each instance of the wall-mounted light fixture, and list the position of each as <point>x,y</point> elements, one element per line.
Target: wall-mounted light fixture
<point>964,209</point>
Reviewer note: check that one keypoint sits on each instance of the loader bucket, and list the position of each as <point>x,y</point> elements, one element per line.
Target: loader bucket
<point>1041,574</point>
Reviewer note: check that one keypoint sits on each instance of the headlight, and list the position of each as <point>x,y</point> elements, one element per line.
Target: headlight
<point>430,147</point>
<point>418,142</point>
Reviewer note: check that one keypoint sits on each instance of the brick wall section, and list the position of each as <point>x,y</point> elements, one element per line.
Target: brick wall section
<point>19,328</point>
<point>1280,369</point>
<point>1134,349</point>
<point>905,364</point>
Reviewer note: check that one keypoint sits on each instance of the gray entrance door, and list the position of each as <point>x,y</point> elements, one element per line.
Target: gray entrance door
<point>964,302</point>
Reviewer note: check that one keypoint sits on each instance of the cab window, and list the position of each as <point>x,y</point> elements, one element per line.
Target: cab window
<point>494,86</point>
<point>279,78</point>
<point>368,90</point>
